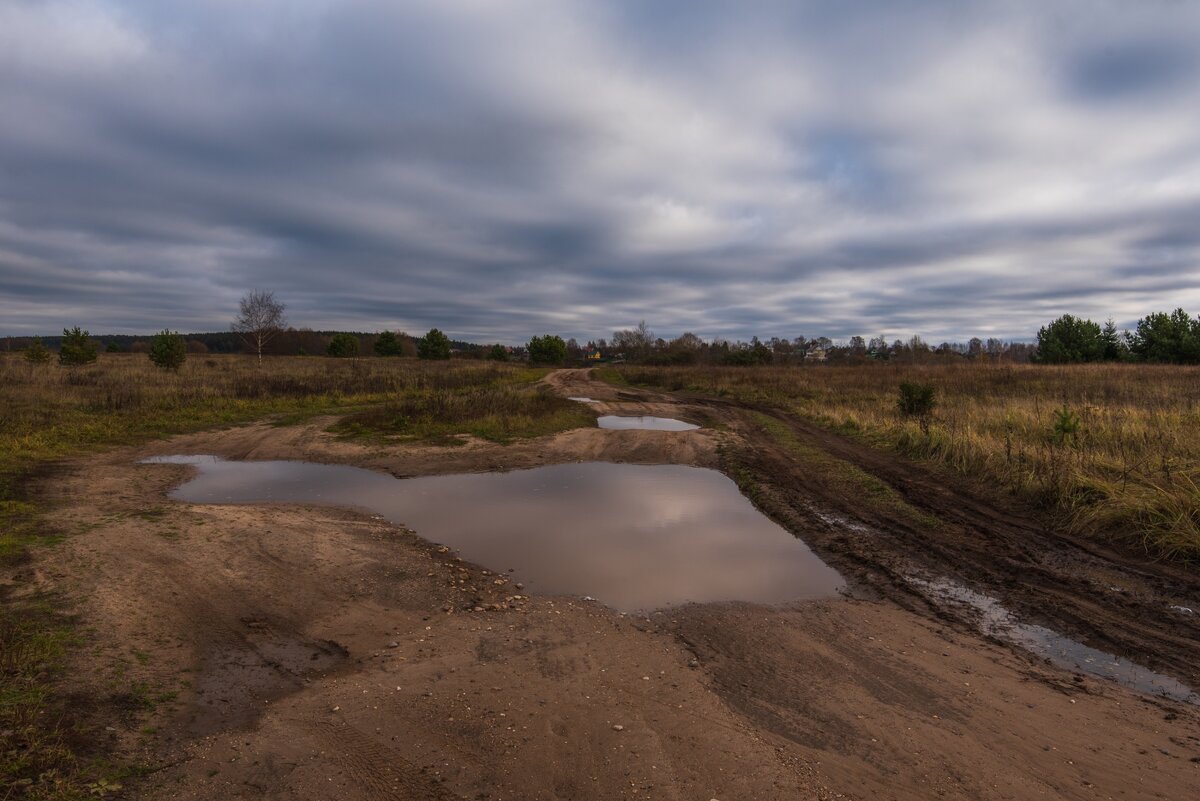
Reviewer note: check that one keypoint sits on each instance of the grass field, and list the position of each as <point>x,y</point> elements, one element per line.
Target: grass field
<point>49,413</point>
<point>1113,450</point>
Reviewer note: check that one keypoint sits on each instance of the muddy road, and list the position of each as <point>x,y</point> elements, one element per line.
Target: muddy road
<point>298,652</point>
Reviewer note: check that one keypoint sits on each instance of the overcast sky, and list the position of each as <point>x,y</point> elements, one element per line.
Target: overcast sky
<point>501,169</point>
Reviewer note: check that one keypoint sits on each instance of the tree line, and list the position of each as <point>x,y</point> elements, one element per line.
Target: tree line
<point>261,328</point>
<point>1161,337</point>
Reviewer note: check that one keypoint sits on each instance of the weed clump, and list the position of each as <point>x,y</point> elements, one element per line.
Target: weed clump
<point>1067,426</point>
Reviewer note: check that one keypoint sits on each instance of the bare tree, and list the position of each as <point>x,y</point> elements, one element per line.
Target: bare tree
<point>260,317</point>
<point>637,341</point>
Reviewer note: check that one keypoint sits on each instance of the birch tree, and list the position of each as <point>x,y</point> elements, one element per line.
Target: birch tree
<point>260,318</point>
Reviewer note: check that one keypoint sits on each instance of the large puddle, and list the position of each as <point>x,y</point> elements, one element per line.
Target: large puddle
<point>636,537</point>
<point>644,422</point>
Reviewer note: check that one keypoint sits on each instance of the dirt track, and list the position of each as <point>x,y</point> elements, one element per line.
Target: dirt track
<point>317,653</point>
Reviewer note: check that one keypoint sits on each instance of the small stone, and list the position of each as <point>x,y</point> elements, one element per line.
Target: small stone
<point>336,708</point>
<point>618,727</point>
<point>393,644</point>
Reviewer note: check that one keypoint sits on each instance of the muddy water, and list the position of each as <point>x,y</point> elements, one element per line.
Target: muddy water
<point>997,621</point>
<point>635,537</point>
<point>644,422</point>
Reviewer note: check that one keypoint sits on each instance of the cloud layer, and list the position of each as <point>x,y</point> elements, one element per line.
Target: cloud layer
<point>500,169</point>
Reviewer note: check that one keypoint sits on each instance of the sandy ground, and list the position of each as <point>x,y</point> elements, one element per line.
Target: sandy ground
<point>287,652</point>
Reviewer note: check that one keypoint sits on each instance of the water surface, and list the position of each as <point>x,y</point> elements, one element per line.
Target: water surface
<point>997,621</point>
<point>635,537</point>
<point>644,422</point>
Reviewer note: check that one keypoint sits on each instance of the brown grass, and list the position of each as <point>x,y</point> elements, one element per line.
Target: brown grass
<point>1131,473</point>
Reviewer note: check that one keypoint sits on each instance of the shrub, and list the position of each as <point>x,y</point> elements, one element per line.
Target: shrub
<point>498,353</point>
<point>917,400</point>
<point>168,350</point>
<point>77,348</point>
<point>37,353</point>
<point>434,345</point>
<point>343,345</point>
<point>757,354</point>
<point>549,349</point>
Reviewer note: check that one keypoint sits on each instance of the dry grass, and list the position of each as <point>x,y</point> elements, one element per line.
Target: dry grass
<point>49,412</point>
<point>497,412</point>
<point>1130,473</point>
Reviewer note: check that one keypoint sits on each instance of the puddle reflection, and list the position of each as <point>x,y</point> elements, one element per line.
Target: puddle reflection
<point>644,422</point>
<point>636,537</point>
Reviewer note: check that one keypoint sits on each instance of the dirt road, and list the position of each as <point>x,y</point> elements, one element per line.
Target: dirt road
<point>312,653</point>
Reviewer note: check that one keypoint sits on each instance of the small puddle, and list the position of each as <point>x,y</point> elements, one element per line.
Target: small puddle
<point>997,621</point>
<point>636,537</point>
<point>644,422</point>
<point>582,399</point>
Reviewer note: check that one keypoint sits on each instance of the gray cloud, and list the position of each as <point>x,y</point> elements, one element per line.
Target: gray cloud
<point>500,170</point>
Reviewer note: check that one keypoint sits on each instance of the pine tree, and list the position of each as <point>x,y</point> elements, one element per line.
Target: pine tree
<point>37,353</point>
<point>168,350</point>
<point>77,348</point>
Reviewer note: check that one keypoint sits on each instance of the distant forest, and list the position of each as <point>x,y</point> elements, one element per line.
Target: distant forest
<point>638,344</point>
<point>1160,337</point>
